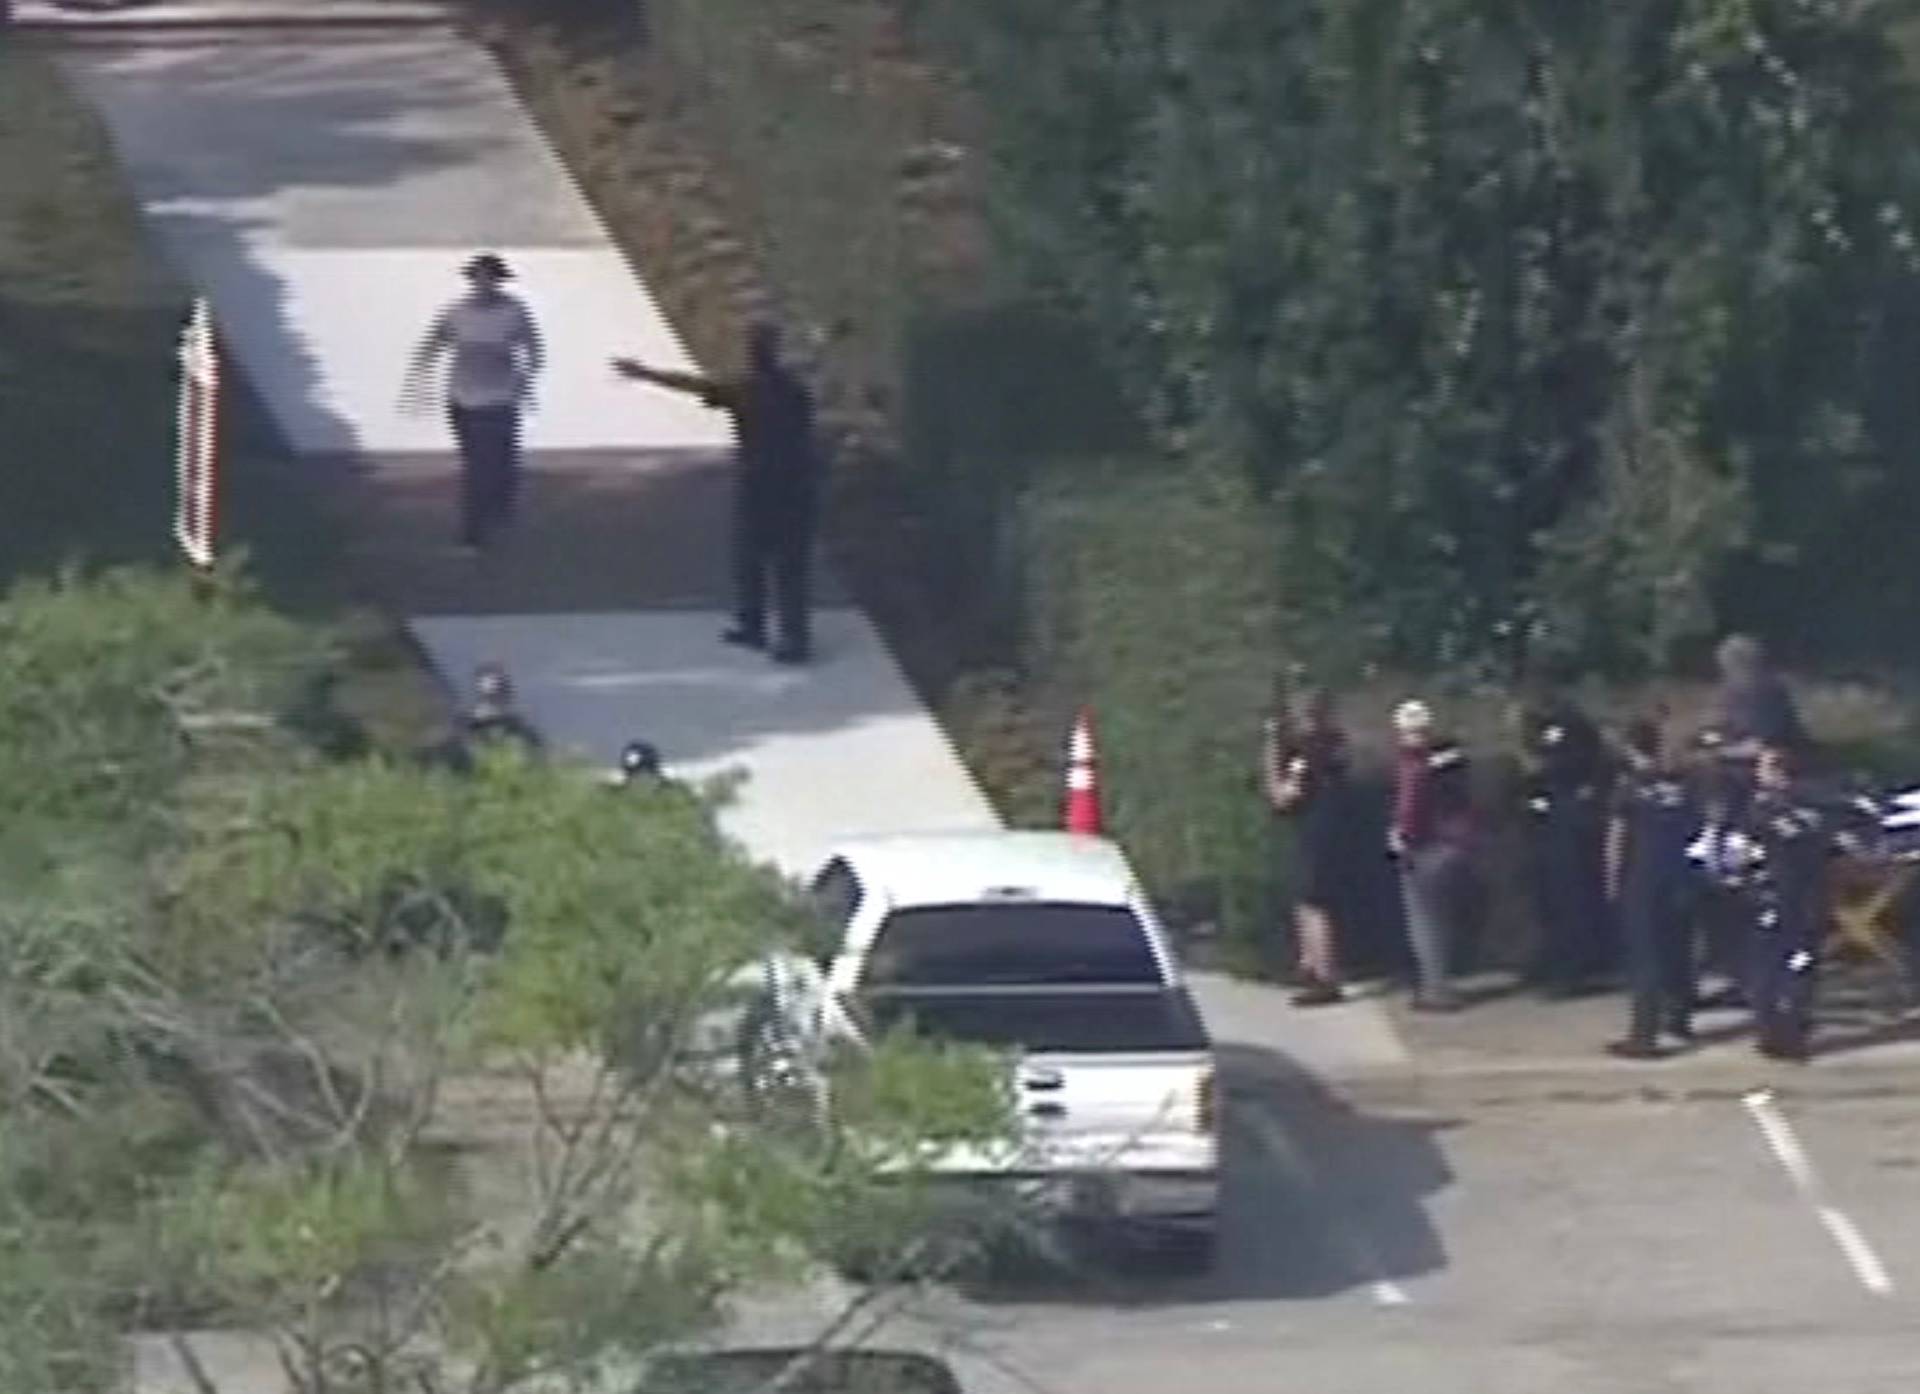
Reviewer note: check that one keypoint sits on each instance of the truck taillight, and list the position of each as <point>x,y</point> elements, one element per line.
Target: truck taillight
<point>1206,1112</point>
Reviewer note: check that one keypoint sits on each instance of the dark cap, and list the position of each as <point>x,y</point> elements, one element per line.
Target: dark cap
<point>639,758</point>
<point>487,264</point>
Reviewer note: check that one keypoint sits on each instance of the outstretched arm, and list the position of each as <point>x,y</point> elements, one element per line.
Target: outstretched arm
<point>714,393</point>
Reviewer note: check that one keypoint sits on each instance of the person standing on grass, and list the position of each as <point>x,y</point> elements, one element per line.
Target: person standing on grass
<point>776,489</point>
<point>1304,768</point>
<point>1654,817</point>
<point>496,353</point>
<point>1432,813</point>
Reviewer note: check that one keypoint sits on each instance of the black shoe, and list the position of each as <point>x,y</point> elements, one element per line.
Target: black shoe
<point>792,654</point>
<point>1318,994</point>
<point>741,636</point>
<point>1792,1049</point>
<point>1631,1049</point>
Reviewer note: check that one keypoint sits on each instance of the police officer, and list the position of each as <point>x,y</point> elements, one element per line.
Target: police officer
<point>490,719</point>
<point>1655,816</point>
<point>776,492</point>
<point>1787,903</point>
<point>1567,772</point>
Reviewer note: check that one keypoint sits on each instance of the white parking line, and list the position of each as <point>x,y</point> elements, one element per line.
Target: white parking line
<point>1359,1250</point>
<point>1793,1158</point>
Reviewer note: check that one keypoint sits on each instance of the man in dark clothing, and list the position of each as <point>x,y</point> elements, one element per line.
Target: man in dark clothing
<point>1788,903</point>
<point>776,493</point>
<point>1432,810</point>
<point>1754,709</point>
<point>1655,817</point>
<point>1566,782</point>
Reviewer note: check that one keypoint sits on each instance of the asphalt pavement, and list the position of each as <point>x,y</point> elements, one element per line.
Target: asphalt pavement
<point>1408,1241</point>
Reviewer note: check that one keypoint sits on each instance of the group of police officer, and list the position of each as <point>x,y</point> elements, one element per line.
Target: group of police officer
<point>1724,849</point>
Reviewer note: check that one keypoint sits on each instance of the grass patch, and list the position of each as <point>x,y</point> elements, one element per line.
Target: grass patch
<point>89,321</point>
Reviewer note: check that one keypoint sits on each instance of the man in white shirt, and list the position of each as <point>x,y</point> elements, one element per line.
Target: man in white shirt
<point>496,354</point>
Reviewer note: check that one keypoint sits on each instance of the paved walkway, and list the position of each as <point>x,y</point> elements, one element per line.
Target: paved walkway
<point>323,195</point>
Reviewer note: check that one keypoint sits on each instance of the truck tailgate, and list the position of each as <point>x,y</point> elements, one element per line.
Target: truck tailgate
<point>1103,1080</point>
<point>1125,1112</point>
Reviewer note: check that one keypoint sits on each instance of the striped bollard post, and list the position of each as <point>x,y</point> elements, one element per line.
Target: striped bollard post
<point>196,513</point>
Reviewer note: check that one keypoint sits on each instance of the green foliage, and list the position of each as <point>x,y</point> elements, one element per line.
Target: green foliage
<point>244,983</point>
<point>844,1176</point>
<point>1161,602</point>
<point>51,1339</point>
<point>1530,317</point>
<point>105,677</point>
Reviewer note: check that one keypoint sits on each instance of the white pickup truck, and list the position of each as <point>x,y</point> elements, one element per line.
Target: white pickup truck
<point>1041,944</point>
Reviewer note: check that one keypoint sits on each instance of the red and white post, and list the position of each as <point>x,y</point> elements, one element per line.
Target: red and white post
<point>198,459</point>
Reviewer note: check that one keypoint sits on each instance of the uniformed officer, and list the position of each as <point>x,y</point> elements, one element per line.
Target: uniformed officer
<point>776,493</point>
<point>490,719</point>
<point>1788,904</point>
<point>1655,816</point>
<point>1567,773</point>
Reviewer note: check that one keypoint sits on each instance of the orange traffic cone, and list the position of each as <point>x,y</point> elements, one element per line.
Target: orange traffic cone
<point>1082,813</point>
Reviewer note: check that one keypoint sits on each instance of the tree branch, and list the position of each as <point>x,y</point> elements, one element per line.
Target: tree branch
<point>189,1359</point>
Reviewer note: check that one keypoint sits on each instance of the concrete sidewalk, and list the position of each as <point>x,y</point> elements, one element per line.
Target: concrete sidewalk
<point>323,195</point>
<point>1867,1027</point>
<point>147,17</point>
<point>836,750</point>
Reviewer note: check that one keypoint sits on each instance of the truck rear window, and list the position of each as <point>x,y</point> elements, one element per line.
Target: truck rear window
<point>1010,945</point>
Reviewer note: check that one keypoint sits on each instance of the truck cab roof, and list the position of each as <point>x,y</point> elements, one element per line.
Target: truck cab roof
<point>917,869</point>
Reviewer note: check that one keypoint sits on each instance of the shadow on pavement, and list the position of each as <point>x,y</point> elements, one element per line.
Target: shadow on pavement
<point>1320,1198</point>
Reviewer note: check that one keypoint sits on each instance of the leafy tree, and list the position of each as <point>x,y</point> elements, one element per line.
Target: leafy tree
<point>421,1075</point>
<point>1541,324</point>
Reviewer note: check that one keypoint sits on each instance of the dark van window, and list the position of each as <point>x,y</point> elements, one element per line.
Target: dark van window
<point>1010,945</point>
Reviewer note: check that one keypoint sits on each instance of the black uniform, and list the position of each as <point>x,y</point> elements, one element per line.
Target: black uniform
<point>1659,817</point>
<point>778,469</point>
<point>1788,905</point>
<point>1566,796</point>
<point>776,501</point>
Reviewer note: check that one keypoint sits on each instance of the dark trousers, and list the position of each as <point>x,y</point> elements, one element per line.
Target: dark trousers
<point>1660,961</point>
<point>773,554</point>
<point>1784,971</point>
<point>489,441</point>
<point>1570,899</point>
